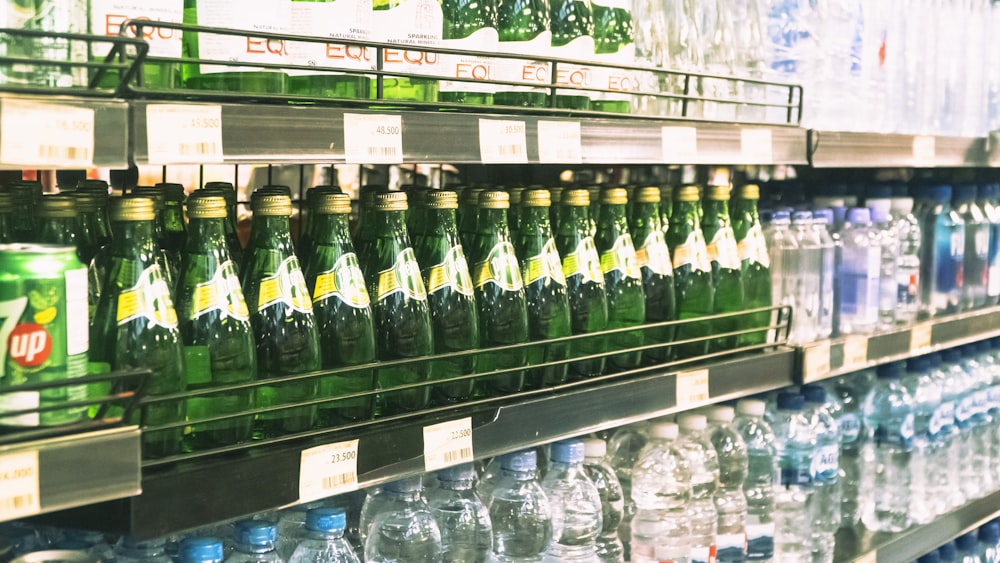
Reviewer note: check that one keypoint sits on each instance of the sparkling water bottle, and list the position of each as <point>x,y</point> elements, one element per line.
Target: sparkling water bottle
<point>519,511</point>
<point>730,500</point>
<point>200,549</point>
<point>888,451</point>
<point>980,380</point>
<point>795,442</point>
<point>762,475</point>
<point>847,394</point>
<point>824,508</point>
<point>949,446</point>
<point>859,274</point>
<point>704,462</point>
<point>324,540</point>
<point>661,490</point>
<point>462,518</point>
<point>888,242</point>
<point>927,497</point>
<point>575,504</point>
<point>907,261</point>
<point>404,530</point>
<point>609,546</point>
<point>255,543</point>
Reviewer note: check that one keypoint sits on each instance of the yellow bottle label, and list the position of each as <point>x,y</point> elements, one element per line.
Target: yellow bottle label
<point>722,249</point>
<point>693,253</point>
<point>546,265</point>
<point>753,247</point>
<point>287,286</point>
<point>621,258</point>
<point>584,261</point>
<point>453,272</point>
<point>655,255</point>
<point>221,293</point>
<point>403,276</point>
<point>500,267</point>
<point>149,299</point>
<point>344,281</point>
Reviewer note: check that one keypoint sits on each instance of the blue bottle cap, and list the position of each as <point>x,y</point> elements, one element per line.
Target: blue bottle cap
<point>899,189</point>
<point>990,533</point>
<point>947,551</point>
<point>982,347</point>
<point>880,190</point>
<point>936,359</point>
<point>520,461</point>
<point>839,214</point>
<point>200,549</point>
<point>859,215</point>
<point>931,557</point>
<point>995,343</point>
<point>464,472</point>
<point>918,365</point>
<point>890,371</point>
<point>567,451</point>
<point>256,532</point>
<point>951,355</point>
<point>406,485</point>
<point>964,193</point>
<point>824,216</point>
<point>814,393</point>
<point>802,217</point>
<point>790,401</point>
<point>326,520</point>
<point>779,216</point>
<point>880,210</point>
<point>940,194</point>
<point>966,542</point>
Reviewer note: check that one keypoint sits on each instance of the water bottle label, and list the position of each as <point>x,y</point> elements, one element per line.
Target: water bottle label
<point>850,428</point>
<point>825,463</point>
<point>760,542</point>
<point>703,554</point>
<point>994,397</point>
<point>980,403</point>
<point>796,469</point>
<point>907,283</point>
<point>943,417</point>
<point>901,436</point>
<point>731,548</point>
<point>403,277</point>
<point>964,410</point>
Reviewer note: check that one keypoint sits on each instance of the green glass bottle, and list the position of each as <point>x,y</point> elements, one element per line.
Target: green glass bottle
<point>336,19</point>
<point>343,312</point>
<point>227,191</point>
<point>26,195</point>
<point>622,278</point>
<point>726,272</point>
<point>175,230</point>
<point>544,289</point>
<point>755,264</point>
<point>572,38</point>
<point>6,218</point>
<point>467,215</point>
<point>514,213</point>
<point>581,264</point>
<point>306,213</point>
<point>469,25</point>
<point>106,19</point>
<point>450,295</point>
<point>215,328</point>
<point>282,317</point>
<point>503,314</point>
<point>135,326</point>
<point>653,257</point>
<point>524,27</point>
<point>366,234</point>
<point>56,221</point>
<point>595,208</point>
<point>169,257</point>
<point>411,24</point>
<point>614,44</point>
<point>666,196</point>
<point>555,196</point>
<point>402,315</point>
<point>93,239</point>
<point>693,285</point>
<point>260,15</point>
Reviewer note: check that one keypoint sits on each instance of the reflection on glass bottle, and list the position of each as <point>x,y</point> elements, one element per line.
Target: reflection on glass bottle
<point>572,38</point>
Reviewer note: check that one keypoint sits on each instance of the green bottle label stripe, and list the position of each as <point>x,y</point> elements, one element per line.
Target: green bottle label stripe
<point>149,298</point>
<point>544,265</point>
<point>584,262</point>
<point>621,258</point>
<point>453,272</point>
<point>500,267</point>
<point>344,282</point>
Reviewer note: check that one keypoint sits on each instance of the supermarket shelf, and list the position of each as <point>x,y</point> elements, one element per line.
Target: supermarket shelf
<point>304,134</point>
<point>830,358</point>
<point>862,546</point>
<point>828,149</point>
<point>75,470</point>
<point>186,495</point>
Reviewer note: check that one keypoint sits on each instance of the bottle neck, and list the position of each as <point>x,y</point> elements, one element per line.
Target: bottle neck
<point>612,218</point>
<point>330,228</point>
<point>459,485</point>
<point>131,237</point>
<point>535,221</point>
<point>271,232</point>
<point>645,219</point>
<point>717,211</point>
<point>493,222</point>
<point>440,222</point>
<point>389,224</point>
<point>207,235</point>
<point>574,220</point>
<point>173,217</point>
<point>267,547</point>
<point>57,230</point>
<point>685,216</point>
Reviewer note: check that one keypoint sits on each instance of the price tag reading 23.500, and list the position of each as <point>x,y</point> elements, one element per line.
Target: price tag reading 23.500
<point>328,470</point>
<point>373,138</point>
<point>447,444</point>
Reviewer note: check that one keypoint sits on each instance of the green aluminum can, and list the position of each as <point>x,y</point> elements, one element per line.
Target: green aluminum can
<point>43,332</point>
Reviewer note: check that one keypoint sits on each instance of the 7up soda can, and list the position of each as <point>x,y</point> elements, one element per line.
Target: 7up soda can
<point>43,332</point>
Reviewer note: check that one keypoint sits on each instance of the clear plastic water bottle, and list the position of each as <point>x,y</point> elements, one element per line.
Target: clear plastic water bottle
<point>847,394</point>
<point>94,543</point>
<point>661,490</point>
<point>805,318</point>
<point>784,255</point>
<point>575,504</point>
<point>989,195</point>
<point>942,253</point>
<point>824,508</point>
<point>907,261</point>
<point>888,451</point>
<point>980,381</point>
<point>404,530</point>
<point>965,421</point>
<point>795,442</point>
<point>988,351</point>
<point>624,447</point>
<point>200,549</point>
<point>968,548</point>
<point>927,494</point>
<point>519,511</point>
<point>859,274</point>
<point>129,550</point>
<point>609,546</point>
<point>989,542</point>
<point>292,527</point>
<point>700,455</point>
<point>762,476</point>
<point>828,288</point>
<point>462,517</point>
<point>730,500</point>
<point>886,236</point>
<point>949,445</point>
<point>324,540</point>
<point>975,273</point>
<point>948,553</point>
<point>255,543</point>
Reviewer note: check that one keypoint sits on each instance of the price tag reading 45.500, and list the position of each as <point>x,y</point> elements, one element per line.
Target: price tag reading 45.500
<point>184,134</point>
<point>447,444</point>
<point>373,139</point>
<point>328,470</point>
<point>502,140</point>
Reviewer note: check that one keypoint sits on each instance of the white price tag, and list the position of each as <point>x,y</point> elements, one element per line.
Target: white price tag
<point>447,444</point>
<point>692,388</point>
<point>184,134</point>
<point>502,141</point>
<point>373,139</point>
<point>924,150</point>
<point>870,557</point>
<point>19,496</point>
<point>816,361</point>
<point>559,142</point>
<point>855,352</point>
<point>920,336</point>
<point>757,146</point>
<point>328,470</point>
<point>43,134</point>
<point>679,145</point>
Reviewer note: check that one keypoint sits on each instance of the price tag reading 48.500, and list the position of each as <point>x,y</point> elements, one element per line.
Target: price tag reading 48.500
<point>448,444</point>
<point>373,139</point>
<point>328,470</point>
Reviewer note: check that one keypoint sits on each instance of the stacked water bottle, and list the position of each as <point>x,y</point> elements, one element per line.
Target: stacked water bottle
<point>981,546</point>
<point>858,270</point>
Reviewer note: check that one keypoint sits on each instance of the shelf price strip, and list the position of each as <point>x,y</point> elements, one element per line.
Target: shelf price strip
<point>43,134</point>
<point>502,141</point>
<point>373,138</point>
<point>757,146</point>
<point>692,388</point>
<point>920,337</point>
<point>816,361</point>
<point>184,134</point>
<point>328,470</point>
<point>559,142</point>
<point>679,145</point>
<point>447,444</point>
<point>19,494</point>
<point>855,352</point>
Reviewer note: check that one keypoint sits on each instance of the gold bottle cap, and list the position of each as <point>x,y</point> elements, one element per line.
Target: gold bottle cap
<point>87,203</point>
<point>272,205</point>
<point>649,194</point>
<point>439,199</point>
<point>749,191</point>
<point>332,204</point>
<point>133,208</point>
<point>536,197</point>
<point>516,194</point>
<point>576,197</point>
<point>719,193</point>
<point>57,207</point>
<point>173,191</point>
<point>494,199</point>
<point>688,193</point>
<point>158,196</point>
<point>469,197</point>
<point>614,196</point>
<point>389,201</point>
<point>207,207</point>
